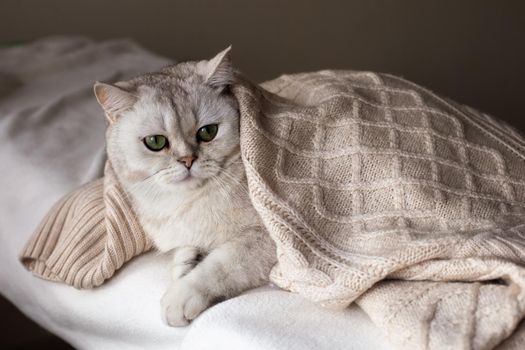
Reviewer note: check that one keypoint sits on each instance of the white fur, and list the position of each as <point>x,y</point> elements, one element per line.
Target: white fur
<point>202,214</point>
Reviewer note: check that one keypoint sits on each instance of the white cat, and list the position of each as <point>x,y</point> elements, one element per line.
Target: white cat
<point>173,139</point>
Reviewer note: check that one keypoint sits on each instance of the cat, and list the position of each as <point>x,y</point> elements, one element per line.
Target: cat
<point>173,140</point>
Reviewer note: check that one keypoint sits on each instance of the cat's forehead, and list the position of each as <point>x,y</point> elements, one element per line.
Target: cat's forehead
<point>166,86</point>
<point>177,92</point>
<point>158,82</point>
<point>165,92</point>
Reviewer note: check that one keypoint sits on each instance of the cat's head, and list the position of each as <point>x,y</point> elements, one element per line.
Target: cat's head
<point>176,128</point>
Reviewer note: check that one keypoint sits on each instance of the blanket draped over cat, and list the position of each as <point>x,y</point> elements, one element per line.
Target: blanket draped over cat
<point>374,189</point>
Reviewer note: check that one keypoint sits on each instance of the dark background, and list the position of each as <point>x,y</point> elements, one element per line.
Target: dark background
<point>470,50</point>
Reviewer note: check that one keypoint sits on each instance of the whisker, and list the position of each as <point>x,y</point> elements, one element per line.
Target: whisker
<point>232,179</point>
<point>226,192</point>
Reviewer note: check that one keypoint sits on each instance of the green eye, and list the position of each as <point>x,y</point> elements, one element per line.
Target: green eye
<point>155,143</point>
<point>207,132</point>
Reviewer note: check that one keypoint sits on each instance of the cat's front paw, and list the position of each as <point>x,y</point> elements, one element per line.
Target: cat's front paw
<point>182,303</point>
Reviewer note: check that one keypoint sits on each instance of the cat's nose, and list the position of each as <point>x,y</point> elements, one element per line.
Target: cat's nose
<point>187,160</point>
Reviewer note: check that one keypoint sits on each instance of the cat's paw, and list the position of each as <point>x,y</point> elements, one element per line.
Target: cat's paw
<point>182,303</point>
<point>184,260</point>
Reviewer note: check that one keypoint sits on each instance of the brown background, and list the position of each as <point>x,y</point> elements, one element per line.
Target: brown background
<point>470,50</point>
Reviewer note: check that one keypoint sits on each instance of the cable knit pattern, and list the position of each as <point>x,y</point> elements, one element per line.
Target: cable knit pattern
<point>374,189</point>
<point>361,177</point>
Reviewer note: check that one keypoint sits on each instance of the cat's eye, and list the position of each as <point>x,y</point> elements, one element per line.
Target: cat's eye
<point>155,143</point>
<point>207,132</point>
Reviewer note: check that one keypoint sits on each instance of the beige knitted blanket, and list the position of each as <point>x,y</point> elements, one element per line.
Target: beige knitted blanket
<point>375,191</point>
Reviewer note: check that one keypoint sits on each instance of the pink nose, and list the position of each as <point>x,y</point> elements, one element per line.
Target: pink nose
<point>187,160</point>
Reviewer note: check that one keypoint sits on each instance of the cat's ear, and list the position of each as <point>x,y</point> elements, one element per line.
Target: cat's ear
<point>219,71</point>
<point>113,99</point>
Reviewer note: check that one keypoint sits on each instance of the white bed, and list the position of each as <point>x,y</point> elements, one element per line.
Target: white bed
<point>51,141</point>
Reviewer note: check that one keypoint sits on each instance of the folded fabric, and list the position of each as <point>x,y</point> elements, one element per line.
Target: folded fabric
<point>87,235</point>
<point>374,190</point>
<point>361,177</point>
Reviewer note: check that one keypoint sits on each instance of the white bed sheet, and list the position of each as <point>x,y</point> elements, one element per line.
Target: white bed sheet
<point>51,141</point>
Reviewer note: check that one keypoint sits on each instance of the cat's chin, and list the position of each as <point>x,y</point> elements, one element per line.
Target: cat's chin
<point>188,182</point>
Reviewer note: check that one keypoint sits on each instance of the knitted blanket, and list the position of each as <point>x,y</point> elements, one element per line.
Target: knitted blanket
<point>376,191</point>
